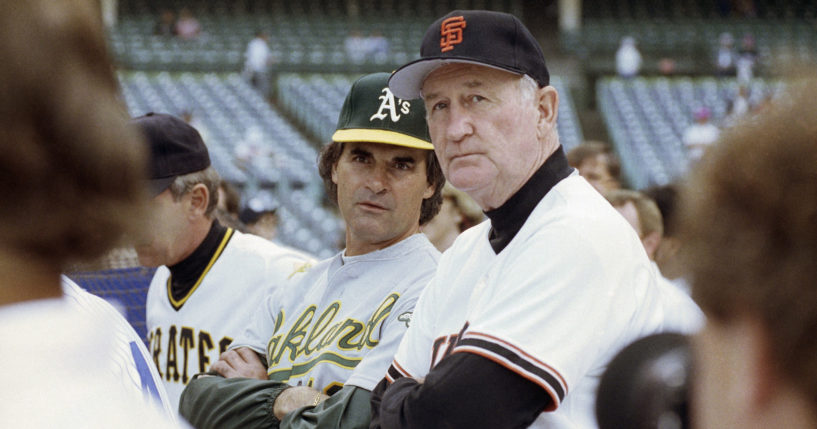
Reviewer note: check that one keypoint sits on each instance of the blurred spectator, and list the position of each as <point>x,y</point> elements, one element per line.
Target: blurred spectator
<point>254,155</point>
<point>738,106</point>
<point>166,25</point>
<point>598,164</point>
<point>229,198</point>
<point>355,46</point>
<point>187,26</point>
<point>260,218</point>
<point>667,66</point>
<point>747,60</point>
<point>378,47</point>
<point>457,213</point>
<point>628,59</point>
<point>258,59</point>
<point>750,246</point>
<point>700,134</point>
<point>227,208</point>
<point>666,256</point>
<point>725,56</point>
<point>643,214</point>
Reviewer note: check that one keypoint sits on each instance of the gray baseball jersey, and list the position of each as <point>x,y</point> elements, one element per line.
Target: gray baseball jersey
<point>341,321</point>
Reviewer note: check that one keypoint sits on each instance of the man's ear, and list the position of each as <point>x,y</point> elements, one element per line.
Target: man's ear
<point>429,192</point>
<point>199,199</point>
<point>548,105</point>
<point>335,173</point>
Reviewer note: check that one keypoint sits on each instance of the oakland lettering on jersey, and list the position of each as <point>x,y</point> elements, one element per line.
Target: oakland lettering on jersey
<point>183,341</point>
<point>323,336</point>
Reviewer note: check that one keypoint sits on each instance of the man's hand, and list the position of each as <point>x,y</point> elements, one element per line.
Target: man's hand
<point>241,362</point>
<point>296,397</point>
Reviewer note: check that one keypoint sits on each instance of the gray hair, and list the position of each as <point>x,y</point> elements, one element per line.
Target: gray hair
<point>208,177</point>
<point>527,88</point>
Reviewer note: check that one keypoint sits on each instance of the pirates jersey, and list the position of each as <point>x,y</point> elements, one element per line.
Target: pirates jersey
<point>342,320</point>
<point>187,335</point>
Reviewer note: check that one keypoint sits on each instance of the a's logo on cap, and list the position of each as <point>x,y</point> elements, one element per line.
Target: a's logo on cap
<point>451,32</point>
<point>388,103</point>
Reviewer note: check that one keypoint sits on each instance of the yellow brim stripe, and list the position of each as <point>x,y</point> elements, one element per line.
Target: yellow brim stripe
<point>380,136</point>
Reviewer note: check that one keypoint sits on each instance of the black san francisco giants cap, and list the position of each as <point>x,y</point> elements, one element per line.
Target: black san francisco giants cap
<point>492,39</point>
<point>176,149</point>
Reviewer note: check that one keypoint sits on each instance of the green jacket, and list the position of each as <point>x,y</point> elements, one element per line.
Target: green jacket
<point>223,403</point>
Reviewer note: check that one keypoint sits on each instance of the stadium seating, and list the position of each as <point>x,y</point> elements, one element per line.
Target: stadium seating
<point>315,101</point>
<point>688,31</point>
<point>229,113</point>
<point>124,287</point>
<point>304,36</point>
<point>646,118</point>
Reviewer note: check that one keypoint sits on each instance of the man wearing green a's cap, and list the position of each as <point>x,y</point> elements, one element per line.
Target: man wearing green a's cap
<point>335,328</point>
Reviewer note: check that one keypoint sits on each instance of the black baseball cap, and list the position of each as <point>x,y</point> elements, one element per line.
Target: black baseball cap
<point>176,149</point>
<point>491,39</point>
<point>371,113</point>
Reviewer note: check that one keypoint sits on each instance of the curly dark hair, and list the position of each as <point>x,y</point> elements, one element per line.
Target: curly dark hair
<point>331,153</point>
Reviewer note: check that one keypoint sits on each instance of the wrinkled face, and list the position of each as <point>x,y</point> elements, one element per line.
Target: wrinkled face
<point>485,133</point>
<point>595,171</point>
<point>160,242</point>
<point>380,190</point>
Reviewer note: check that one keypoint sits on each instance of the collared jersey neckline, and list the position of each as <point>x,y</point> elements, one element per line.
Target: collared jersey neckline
<point>507,220</point>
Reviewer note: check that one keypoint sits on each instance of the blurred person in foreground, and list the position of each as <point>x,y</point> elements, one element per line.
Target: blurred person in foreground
<point>749,227</point>
<point>598,164</point>
<point>700,134</point>
<point>72,174</point>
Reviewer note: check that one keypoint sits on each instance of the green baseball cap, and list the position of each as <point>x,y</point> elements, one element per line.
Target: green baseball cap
<point>371,113</point>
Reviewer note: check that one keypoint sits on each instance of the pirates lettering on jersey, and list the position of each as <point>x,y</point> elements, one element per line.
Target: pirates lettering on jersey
<point>179,352</point>
<point>290,353</point>
<point>387,102</point>
<point>448,342</point>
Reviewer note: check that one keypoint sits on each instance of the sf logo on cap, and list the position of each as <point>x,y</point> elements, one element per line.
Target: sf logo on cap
<point>451,32</point>
<point>387,103</point>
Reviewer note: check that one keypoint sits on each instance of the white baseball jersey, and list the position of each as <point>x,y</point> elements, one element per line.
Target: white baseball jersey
<point>686,314</point>
<point>132,362</point>
<point>188,335</point>
<point>571,289</point>
<point>322,330</point>
<point>61,371</point>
